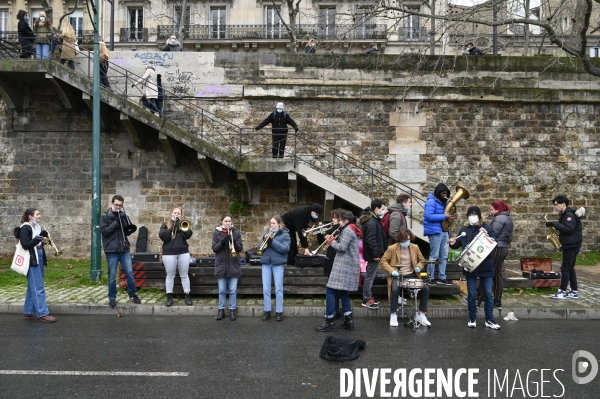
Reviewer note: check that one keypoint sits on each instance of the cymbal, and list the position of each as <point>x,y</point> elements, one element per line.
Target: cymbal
<point>433,262</point>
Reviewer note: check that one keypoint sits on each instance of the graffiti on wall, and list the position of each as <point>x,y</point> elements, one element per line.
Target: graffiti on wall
<point>165,60</point>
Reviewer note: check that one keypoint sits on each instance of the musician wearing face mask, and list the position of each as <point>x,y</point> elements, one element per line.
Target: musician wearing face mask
<point>279,121</point>
<point>374,245</point>
<point>296,221</point>
<point>485,270</point>
<point>227,244</point>
<point>404,260</point>
<point>176,254</point>
<point>116,247</point>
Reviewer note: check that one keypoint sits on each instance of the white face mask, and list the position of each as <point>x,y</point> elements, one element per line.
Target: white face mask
<point>473,219</point>
<point>314,215</point>
<point>405,244</point>
<point>383,212</point>
<point>42,19</point>
<point>279,110</point>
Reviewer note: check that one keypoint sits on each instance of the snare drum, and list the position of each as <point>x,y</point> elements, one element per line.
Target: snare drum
<point>411,283</point>
<point>476,252</point>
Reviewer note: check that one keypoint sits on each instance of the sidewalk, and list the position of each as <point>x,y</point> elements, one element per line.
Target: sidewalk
<point>93,300</point>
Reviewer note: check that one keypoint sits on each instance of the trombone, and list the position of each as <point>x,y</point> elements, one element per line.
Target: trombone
<point>48,240</point>
<point>265,242</point>
<point>320,229</point>
<point>324,246</point>
<point>234,253</point>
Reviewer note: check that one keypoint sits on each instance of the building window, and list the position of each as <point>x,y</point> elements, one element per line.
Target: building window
<point>565,24</point>
<point>411,27</point>
<point>136,24</point>
<point>273,23</point>
<point>218,19</point>
<point>3,21</point>
<point>595,52</point>
<point>326,23</point>
<point>76,21</point>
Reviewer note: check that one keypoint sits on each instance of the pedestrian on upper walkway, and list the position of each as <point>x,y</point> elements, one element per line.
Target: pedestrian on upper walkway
<point>473,50</point>
<point>44,33</point>
<point>150,88</point>
<point>172,44</point>
<point>69,40</point>
<point>26,35</point>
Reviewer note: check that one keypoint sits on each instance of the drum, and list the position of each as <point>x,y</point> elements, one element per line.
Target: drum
<point>476,252</point>
<point>411,283</point>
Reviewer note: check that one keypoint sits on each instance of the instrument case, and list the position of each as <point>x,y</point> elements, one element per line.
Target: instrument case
<point>205,261</point>
<point>303,261</point>
<point>538,269</point>
<point>145,257</point>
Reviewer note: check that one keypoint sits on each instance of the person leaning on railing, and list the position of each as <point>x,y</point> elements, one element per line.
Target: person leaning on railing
<point>172,44</point>
<point>44,32</point>
<point>26,35</point>
<point>69,40</point>
<point>104,57</point>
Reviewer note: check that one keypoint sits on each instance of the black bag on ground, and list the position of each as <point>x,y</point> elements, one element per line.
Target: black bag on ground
<point>310,261</point>
<point>339,349</point>
<point>252,258</point>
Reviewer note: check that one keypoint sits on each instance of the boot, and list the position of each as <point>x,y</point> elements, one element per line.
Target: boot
<point>221,314</point>
<point>188,299</point>
<point>266,316</point>
<point>327,325</point>
<point>232,314</point>
<point>169,300</point>
<point>348,323</point>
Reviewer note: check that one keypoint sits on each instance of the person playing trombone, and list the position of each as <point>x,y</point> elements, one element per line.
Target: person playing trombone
<point>276,243</point>
<point>227,244</point>
<point>174,234</point>
<point>116,248</point>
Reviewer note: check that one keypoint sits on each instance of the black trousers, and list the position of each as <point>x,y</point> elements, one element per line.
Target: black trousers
<point>567,269</point>
<point>27,48</point>
<point>104,74</point>
<point>293,247</point>
<point>279,140</point>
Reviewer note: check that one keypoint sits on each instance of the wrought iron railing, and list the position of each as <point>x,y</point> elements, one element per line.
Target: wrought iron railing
<point>83,36</point>
<point>412,34</point>
<point>275,31</point>
<point>133,35</point>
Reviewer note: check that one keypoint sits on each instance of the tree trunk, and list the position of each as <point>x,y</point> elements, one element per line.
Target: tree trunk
<point>526,44</point>
<point>293,12</point>
<point>182,21</point>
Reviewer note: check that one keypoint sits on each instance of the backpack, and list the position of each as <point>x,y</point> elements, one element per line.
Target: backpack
<point>339,349</point>
<point>385,222</point>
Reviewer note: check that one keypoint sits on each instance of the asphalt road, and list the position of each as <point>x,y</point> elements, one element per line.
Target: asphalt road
<point>250,358</point>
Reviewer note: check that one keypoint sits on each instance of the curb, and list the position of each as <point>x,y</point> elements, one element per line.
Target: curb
<point>300,311</point>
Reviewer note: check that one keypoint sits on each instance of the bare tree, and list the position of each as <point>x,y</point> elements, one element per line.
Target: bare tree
<point>291,25</point>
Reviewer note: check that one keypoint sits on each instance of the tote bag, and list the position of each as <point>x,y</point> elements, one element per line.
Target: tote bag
<point>20,262</point>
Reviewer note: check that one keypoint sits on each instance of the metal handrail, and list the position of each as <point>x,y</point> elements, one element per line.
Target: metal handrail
<point>307,149</point>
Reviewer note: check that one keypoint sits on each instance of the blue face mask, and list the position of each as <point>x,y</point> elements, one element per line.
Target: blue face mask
<point>405,244</point>
<point>314,215</point>
<point>275,229</point>
<point>408,209</point>
<point>279,110</point>
<point>27,18</point>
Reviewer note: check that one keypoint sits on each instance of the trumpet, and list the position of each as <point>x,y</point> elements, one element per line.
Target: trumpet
<point>324,246</point>
<point>320,229</point>
<point>234,253</point>
<point>183,225</point>
<point>265,242</point>
<point>48,240</point>
<point>552,236</point>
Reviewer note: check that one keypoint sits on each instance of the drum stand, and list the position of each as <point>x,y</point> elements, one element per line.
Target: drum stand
<point>413,292</point>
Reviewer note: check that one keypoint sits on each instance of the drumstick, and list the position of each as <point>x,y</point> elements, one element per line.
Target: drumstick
<point>460,235</point>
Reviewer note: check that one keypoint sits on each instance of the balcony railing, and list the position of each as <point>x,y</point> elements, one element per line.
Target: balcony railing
<point>412,34</point>
<point>275,31</point>
<point>133,35</point>
<point>83,36</point>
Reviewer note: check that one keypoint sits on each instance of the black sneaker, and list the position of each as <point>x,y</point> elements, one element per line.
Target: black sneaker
<point>112,303</point>
<point>445,282</point>
<point>432,282</point>
<point>375,301</point>
<point>135,299</point>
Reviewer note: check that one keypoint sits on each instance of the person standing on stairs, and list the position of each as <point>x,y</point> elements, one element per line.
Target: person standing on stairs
<point>279,121</point>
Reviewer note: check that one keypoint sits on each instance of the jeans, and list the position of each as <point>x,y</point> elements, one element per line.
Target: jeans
<point>368,280</point>
<point>71,63</point>
<point>35,298</point>
<point>486,283</point>
<point>172,263</point>
<point>331,302</point>
<point>104,74</point>
<point>567,269</point>
<point>125,258</point>
<point>151,104</point>
<point>277,271</point>
<point>41,51</point>
<point>232,282</point>
<point>439,251</point>
<point>424,293</point>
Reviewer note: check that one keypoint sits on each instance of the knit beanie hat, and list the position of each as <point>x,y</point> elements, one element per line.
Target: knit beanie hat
<point>316,208</point>
<point>474,209</point>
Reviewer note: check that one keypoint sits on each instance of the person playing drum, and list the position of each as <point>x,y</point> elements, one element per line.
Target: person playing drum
<point>485,270</point>
<point>406,260</point>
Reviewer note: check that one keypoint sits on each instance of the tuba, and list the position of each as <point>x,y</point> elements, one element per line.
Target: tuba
<point>552,236</point>
<point>461,193</point>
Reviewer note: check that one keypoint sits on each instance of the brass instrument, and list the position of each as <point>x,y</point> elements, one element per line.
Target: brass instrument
<point>324,246</point>
<point>183,225</point>
<point>234,253</point>
<point>461,193</point>
<point>49,240</point>
<point>265,242</point>
<point>319,229</point>
<point>552,235</point>
<point>128,228</point>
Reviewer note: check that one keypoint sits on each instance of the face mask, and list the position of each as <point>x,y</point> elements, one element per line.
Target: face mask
<point>382,213</point>
<point>279,110</point>
<point>408,209</point>
<point>314,215</point>
<point>27,18</point>
<point>473,219</point>
<point>275,229</point>
<point>405,244</point>
<point>42,19</point>
<point>173,218</point>
<point>312,45</point>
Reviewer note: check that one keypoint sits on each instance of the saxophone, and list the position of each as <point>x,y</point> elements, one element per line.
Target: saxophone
<point>552,235</point>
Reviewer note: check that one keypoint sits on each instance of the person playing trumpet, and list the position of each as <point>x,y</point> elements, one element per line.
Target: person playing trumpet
<point>273,258</point>
<point>176,254</point>
<point>226,244</point>
<point>405,260</point>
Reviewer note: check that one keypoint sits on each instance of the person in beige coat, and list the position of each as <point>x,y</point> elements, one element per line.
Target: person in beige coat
<point>150,88</point>
<point>69,40</point>
<point>405,260</point>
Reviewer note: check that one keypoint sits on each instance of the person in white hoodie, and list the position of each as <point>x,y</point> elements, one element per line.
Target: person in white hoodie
<point>150,88</point>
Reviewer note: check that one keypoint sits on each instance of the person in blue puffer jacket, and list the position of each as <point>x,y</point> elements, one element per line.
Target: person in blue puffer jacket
<point>485,270</point>
<point>435,214</point>
<point>273,258</point>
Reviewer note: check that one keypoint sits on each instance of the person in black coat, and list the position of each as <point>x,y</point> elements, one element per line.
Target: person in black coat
<point>296,221</point>
<point>485,270</point>
<point>26,35</point>
<point>279,121</point>
<point>570,234</point>
<point>473,50</point>
<point>374,246</point>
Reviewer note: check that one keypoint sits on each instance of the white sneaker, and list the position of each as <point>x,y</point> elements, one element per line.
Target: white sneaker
<point>492,324</point>
<point>393,320</point>
<point>421,318</point>
<point>472,323</point>
<point>559,295</point>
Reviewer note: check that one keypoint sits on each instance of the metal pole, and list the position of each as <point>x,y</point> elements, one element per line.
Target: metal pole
<point>96,268</point>
<point>112,25</point>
